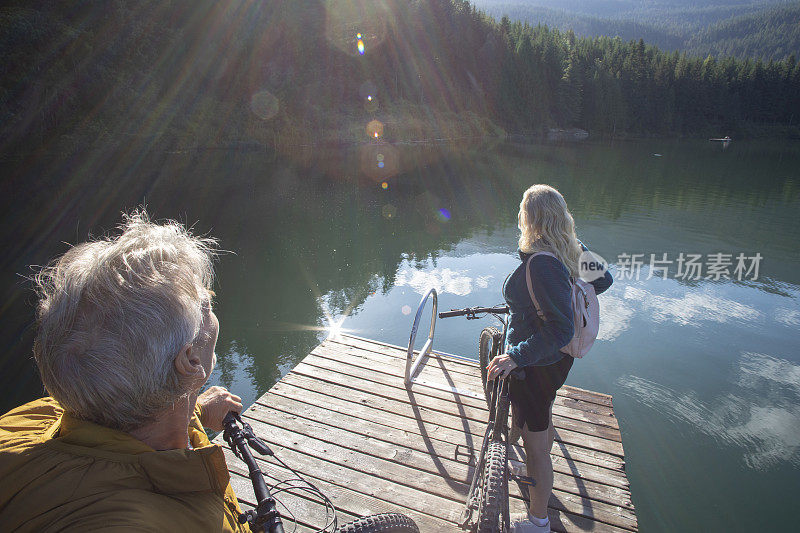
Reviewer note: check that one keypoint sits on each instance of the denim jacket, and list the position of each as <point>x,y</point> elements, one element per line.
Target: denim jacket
<point>532,341</point>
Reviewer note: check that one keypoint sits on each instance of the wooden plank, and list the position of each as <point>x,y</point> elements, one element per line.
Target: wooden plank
<point>344,416</point>
<point>343,365</point>
<point>431,456</point>
<point>460,366</point>
<point>434,371</point>
<point>597,437</point>
<point>309,515</point>
<point>376,478</point>
<point>389,372</point>
<point>441,395</point>
<point>583,444</point>
<point>444,405</point>
<point>349,503</point>
<point>584,460</point>
<point>560,521</point>
<point>466,374</point>
<point>390,426</point>
<point>402,466</point>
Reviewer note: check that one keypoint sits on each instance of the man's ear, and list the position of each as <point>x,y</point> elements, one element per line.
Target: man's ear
<point>188,364</point>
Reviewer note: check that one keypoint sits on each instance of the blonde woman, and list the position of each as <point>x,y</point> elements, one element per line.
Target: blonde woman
<point>534,344</point>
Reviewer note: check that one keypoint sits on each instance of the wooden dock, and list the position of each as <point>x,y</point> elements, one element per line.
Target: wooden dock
<point>344,418</point>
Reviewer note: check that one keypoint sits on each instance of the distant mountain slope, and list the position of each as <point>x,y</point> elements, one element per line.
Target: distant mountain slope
<point>773,34</point>
<point>193,74</point>
<point>587,25</point>
<point>677,13</point>
<point>744,29</point>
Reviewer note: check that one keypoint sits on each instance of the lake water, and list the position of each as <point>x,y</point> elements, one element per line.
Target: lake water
<point>705,373</point>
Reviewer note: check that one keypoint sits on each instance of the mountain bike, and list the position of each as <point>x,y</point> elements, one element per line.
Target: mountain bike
<point>265,517</point>
<point>486,508</point>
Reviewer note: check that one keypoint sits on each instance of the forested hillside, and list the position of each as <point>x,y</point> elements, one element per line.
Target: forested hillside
<point>584,25</point>
<point>756,30</point>
<point>773,34</point>
<point>197,73</point>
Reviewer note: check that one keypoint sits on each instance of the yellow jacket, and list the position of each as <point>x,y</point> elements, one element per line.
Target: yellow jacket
<point>62,474</point>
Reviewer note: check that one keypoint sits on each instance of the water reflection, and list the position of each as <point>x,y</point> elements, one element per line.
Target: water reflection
<point>312,243</point>
<point>421,277</point>
<point>688,307</point>
<point>298,232</point>
<point>759,416</point>
<point>617,314</point>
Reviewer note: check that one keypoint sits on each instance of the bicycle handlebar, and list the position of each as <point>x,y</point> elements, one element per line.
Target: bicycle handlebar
<point>470,312</point>
<point>265,516</point>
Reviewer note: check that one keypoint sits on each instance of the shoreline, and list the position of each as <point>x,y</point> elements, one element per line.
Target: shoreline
<point>251,146</point>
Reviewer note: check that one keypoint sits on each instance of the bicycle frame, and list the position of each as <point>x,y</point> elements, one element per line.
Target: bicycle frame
<point>496,428</point>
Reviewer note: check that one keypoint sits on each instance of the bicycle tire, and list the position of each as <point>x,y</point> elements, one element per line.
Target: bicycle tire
<point>381,523</point>
<point>488,347</point>
<point>493,503</point>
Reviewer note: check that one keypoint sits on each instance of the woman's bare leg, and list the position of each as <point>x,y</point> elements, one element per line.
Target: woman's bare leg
<point>540,467</point>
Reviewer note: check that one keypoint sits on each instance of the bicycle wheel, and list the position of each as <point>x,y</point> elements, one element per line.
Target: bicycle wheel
<point>488,347</point>
<point>493,504</point>
<point>381,523</point>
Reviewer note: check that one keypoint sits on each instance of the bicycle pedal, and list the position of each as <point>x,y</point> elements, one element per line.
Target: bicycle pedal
<point>525,480</point>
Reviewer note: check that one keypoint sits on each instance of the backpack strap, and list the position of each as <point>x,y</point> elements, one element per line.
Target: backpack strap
<point>529,280</point>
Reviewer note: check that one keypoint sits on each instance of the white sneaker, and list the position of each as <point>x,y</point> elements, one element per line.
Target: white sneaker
<point>521,523</point>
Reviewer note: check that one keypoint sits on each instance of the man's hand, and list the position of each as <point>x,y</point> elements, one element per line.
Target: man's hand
<point>216,403</point>
<point>502,365</point>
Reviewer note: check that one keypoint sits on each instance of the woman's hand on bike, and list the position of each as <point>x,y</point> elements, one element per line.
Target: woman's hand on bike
<point>501,366</point>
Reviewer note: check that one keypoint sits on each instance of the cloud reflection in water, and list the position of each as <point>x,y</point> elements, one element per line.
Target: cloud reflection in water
<point>760,416</point>
<point>692,308</point>
<point>444,280</point>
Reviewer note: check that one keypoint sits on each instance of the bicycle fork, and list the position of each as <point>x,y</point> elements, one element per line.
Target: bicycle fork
<point>472,504</point>
<point>496,430</point>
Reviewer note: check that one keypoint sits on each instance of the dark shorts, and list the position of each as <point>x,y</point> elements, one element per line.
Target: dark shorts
<point>531,398</point>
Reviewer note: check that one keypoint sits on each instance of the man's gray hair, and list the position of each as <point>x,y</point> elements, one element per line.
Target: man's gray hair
<point>112,316</point>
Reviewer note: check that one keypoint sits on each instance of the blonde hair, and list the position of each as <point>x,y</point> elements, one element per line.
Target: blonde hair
<point>546,225</point>
<point>112,316</point>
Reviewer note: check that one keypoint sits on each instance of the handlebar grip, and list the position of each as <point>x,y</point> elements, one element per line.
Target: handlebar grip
<point>448,314</point>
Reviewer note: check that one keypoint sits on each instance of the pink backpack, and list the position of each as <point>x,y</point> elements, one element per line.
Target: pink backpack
<point>585,311</point>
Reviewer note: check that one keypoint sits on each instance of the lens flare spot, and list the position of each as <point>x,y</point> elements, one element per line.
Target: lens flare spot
<point>264,105</point>
<point>384,185</point>
<point>380,164</point>
<point>369,98</point>
<point>380,157</point>
<point>375,129</point>
<point>389,211</point>
<point>369,160</point>
<point>349,21</point>
<point>444,214</point>
<point>406,310</point>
